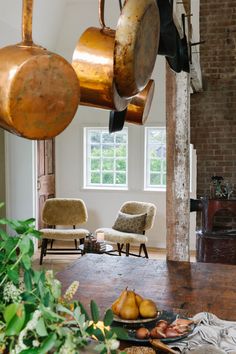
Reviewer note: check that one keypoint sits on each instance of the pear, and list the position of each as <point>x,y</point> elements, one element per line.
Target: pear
<point>148,308</point>
<point>118,303</point>
<point>129,310</point>
<point>139,299</point>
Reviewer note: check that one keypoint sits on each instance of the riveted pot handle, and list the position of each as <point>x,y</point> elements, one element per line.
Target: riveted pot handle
<point>27,14</point>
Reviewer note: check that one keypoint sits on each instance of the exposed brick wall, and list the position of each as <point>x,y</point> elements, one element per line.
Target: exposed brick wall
<point>213,112</point>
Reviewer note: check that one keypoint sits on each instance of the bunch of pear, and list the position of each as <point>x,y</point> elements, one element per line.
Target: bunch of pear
<point>131,306</point>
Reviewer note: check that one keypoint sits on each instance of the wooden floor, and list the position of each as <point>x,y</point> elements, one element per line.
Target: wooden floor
<point>60,262</point>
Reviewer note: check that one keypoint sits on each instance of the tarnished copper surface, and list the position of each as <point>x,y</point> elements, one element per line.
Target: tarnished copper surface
<point>136,45</point>
<point>139,107</point>
<point>93,63</point>
<point>39,90</point>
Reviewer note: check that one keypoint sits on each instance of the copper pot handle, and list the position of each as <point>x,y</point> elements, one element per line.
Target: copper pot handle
<point>27,14</point>
<point>101,14</point>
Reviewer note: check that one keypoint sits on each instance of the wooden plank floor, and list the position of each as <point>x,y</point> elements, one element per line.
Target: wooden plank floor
<point>60,262</point>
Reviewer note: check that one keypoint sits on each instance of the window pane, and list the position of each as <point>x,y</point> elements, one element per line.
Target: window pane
<point>121,165</point>
<point>121,138</point>
<point>107,178</point>
<point>95,137</point>
<point>120,150</point>
<point>155,179</point>
<point>107,164</point>
<point>155,165</point>
<point>121,178</point>
<point>95,177</point>
<point>164,179</point>
<point>95,150</point>
<point>107,138</point>
<point>107,151</point>
<point>95,164</point>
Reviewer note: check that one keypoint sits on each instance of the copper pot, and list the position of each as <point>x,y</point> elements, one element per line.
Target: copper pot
<point>136,45</point>
<point>139,107</point>
<point>39,90</point>
<point>93,63</point>
<point>136,112</point>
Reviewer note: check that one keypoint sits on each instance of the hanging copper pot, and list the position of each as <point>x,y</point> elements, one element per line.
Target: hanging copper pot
<point>139,107</point>
<point>136,45</point>
<point>136,112</point>
<point>39,90</point>
<point>93,63</point>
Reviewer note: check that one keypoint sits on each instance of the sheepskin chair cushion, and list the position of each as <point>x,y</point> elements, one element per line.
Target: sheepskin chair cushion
<point>130,223</point>
<point>64,211</point>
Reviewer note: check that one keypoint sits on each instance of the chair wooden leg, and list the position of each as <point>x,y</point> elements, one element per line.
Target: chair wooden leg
<point>52,243</point>
<point>81,241</point>
<point>43,251</point>
<point>144,250</point>
<point>140,249</point>
<point>45,247</point>
<point>76,244</point>
<point>127,246</point>
<point>119,248</point>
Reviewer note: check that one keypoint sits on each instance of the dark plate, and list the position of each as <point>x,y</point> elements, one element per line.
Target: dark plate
<point>164,315</point>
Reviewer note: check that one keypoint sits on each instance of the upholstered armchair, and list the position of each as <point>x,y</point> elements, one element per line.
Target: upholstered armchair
<point>66,212</point>
<point>133,220</point>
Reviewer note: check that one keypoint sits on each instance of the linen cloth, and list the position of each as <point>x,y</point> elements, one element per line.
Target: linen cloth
<point>210,336</point>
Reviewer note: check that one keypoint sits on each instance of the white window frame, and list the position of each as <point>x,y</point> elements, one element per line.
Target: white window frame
<point>86,157</point>
<point>147,185</point>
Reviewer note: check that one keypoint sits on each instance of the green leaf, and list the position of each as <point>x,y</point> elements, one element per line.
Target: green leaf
<point>48,343</point>
<point>13,274</point>
<point>84,312</point>
<point>36,234</point>
<point>49,314</point>
<point>108,318</point>
<point>41,328</point>
<point>26,261</point>
<point>24,245</point>
<point>30,351</point>
<point>94,311</point>
<point>10,312</point>
<point>120,332</point>
<point>46,299</point>
<point>27,280</point>
<point>56,288</point>
<point>61,308</point>
<point>17,322</point>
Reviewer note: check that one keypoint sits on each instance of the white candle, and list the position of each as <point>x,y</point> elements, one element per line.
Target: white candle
<point>100,236</point>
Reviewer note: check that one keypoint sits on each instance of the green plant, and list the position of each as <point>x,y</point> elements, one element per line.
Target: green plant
<point>35,317</point>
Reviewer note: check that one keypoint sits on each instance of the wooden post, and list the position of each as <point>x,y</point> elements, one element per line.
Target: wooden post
<point>178,180</point>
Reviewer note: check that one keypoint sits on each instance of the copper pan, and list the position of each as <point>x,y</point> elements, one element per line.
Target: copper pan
<point>136,45</point>
<point>139,107</point>
<point>39,90</point>
<point>136,112</point>
<point>93,63</point>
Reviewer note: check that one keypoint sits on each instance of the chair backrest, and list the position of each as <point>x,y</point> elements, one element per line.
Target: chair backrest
<point>134,207</point>
<point>64,211</point>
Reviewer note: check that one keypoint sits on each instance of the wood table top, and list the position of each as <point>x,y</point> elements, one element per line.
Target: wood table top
<point>185,288</point>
